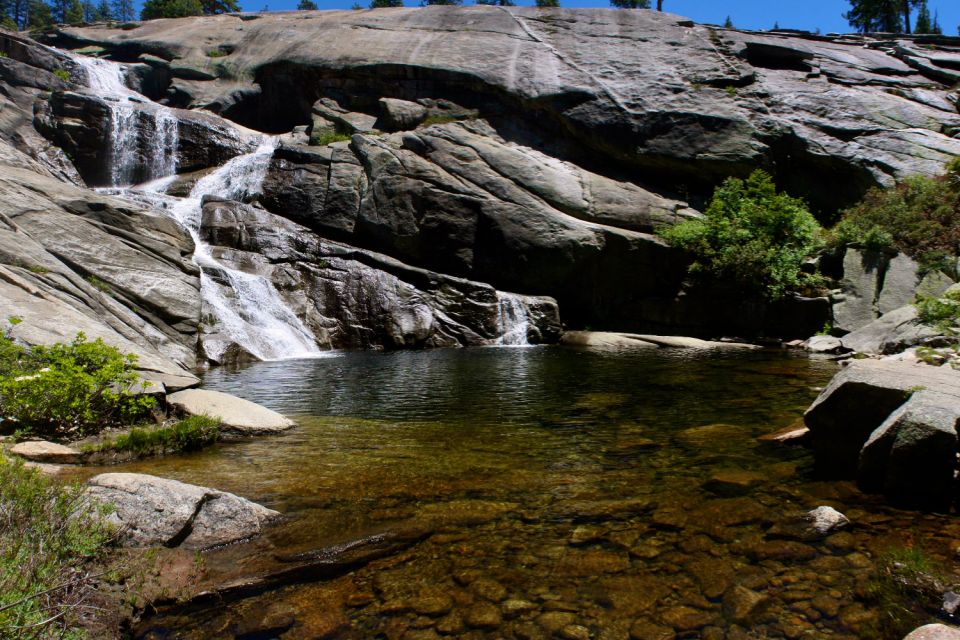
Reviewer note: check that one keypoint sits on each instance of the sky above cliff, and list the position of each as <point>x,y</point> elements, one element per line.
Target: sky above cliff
<point>826,15</point>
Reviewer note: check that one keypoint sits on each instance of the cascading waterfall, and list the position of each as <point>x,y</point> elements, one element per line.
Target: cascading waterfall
<point>248,309</point>
<point>513,320</point>
<point>138,127</point>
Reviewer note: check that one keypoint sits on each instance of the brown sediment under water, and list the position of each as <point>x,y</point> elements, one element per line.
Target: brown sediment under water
<point>536,493</point>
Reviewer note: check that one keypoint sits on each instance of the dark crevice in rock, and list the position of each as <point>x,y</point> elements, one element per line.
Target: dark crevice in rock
<point>187,529</point>
<point>769,56</point>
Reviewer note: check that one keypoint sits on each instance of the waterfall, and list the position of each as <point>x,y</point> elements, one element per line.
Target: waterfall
<point>248,309</point>
<point>513,320</point>
<point>139,128</point>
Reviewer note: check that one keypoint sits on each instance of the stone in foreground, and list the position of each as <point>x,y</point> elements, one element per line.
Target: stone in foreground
<point>934,632</point>
<point>43,451</point>
<point>615,340</point>
<point>237,415</point>
<point>158,511</point>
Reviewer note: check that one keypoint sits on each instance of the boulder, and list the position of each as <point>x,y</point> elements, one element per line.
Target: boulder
<point>157,511</point>
<point>816,524</point>
<point>891,333</point>
<point>891,425</point>
<point>934,632</point>
<point>237,416</point>
<point>911,457</point>
<point>401,115</point>
<point>899,284</point>
<point>824,344</point>
<point>860,286</point>
<point>43,451</point>
<point>343,120</point>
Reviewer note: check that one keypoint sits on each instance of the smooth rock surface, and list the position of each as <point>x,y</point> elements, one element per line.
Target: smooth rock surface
<point>157,511</point>
<point>43,451</point>
<point>934,632</point>
<point>891,333</point>
<point>236,414</point>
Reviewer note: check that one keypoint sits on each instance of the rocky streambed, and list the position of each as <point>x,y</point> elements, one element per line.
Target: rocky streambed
<point>538,493</point>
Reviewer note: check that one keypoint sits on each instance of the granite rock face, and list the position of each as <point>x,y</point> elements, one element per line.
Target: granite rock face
<point>672,102</point>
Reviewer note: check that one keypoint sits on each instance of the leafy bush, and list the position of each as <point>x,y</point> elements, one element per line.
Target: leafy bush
<point>48,538</point>
<point>906,592</point>
<point>328,137</point>
<point>189,434</point>
<point>752,239</point>
<point>68,390</point>
<point>63,74</point>
<point>942,313</point>
<point>920,217</point>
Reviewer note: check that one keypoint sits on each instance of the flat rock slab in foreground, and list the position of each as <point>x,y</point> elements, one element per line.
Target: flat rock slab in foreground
<point>892,425</point>
<point>934,632</point>
<point>158,511</point>
<point>43,451</point>
<point>236,414</point>
<point>608,339</point>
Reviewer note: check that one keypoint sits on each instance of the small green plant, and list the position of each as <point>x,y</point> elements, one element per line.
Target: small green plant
<point>827,329</point>
<point>916,389</point>
<point>942,312</point>
<point>189,434</point>
<point>216,53</point>
<point>3,54</point>
<point>751,239</point>
<point>906,591</point>
<point>63,74</point>
<point>38,269</point>
<point>98,284</point>
<point>731,91</point>
<point>329,137</point>
<point>68,390</point>
<point>49,538</point>
<point>439,118</point>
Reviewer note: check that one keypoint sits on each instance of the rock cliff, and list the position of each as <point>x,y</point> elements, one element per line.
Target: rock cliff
<point>425,162</point>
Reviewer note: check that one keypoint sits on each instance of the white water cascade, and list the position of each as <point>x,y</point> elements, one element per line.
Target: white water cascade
<point>513,320</point>
<point>247,308</point>
<point>138,126</point>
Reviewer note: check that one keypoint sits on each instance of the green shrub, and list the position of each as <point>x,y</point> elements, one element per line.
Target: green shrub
<point>68,390</point>
<point>906,591</point>
<point>48,540</point>
<point>63,74</point>
<point>438,118</point>
<point>751,239</point>
<point>942,313</point>
<point>920,216</point>
<point>189,434</point>
<point>216,53</point>
<point>328,137</point>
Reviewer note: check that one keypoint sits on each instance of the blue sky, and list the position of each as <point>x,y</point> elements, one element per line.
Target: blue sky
<point>746,14</point>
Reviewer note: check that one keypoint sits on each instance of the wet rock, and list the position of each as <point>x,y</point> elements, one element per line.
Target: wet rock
<point>702,438</point>
<point>483,615</point>
<point>632,595</point>
<point>157,511</point>
<point>646,630</point>
<point>934,632</point>
<point>432,603</point>
<point>43,451</point>
<point>713,575</point>
<point>794,434</point>
<point>555,621</point>
<point>891,333</point>
<point>743,606</point>
<point>862,278</point>
<point>587,534</point>
<point>237,416</point>
<point>782,550</point>
<point>826,605</point>
<point>733,482</point>
<point>489,589</point>
<point>575,632</point>
<point>813,525</point>
<point>452,624</point>
<point>592,562</point>
<point>515,607</point>
<point>682,618</point>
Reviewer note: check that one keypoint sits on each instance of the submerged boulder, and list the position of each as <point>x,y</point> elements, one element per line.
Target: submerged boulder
<point>157,511</point>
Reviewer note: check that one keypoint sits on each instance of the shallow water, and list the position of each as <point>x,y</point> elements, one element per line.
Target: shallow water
<point>561,492</point>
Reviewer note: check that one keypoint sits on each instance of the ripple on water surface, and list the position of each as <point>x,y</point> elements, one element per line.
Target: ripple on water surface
<point>555,492</point>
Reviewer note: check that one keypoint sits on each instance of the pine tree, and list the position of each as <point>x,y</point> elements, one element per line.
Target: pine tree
<point>630,4</point>
<point>424,3</point>
<point>936,29</point>
<point>123,10</point>
<point>307,5</point>
<point>74,13</point>
<point>495,3</point>
<point>548,4</point>
<point>876,15</point>
<point>40,15</point>
<point>728,23</point>
<point>923,24</point>
<point>379,4</point>
<point>170,9</point>
<point>214,7</point>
